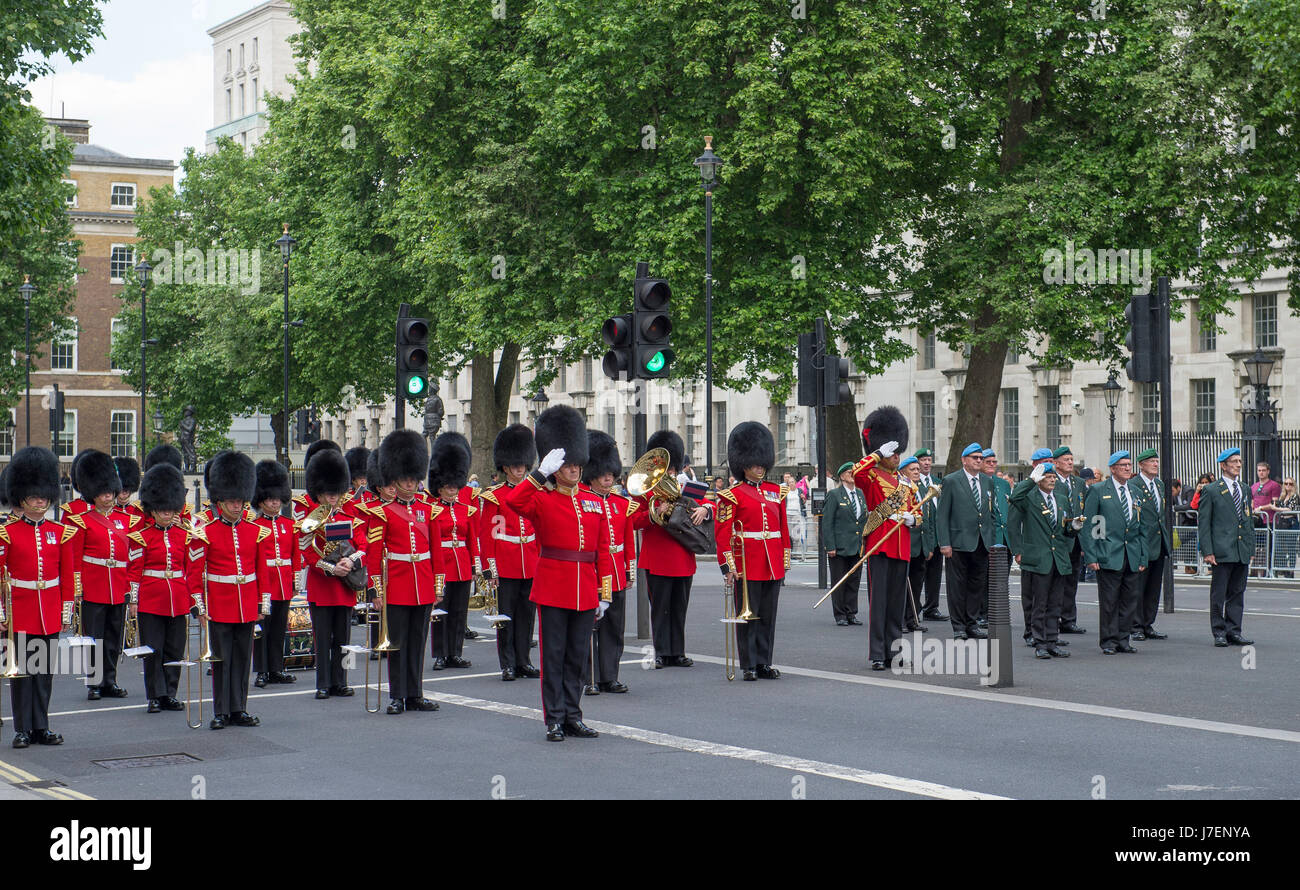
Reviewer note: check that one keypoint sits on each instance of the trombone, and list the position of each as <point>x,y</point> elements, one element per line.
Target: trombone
<point>11,671</point>
<point>189,664</point>
<point>384,646</point>
<point>730,641</point>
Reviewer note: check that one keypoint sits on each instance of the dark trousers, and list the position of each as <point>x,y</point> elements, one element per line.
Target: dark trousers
<point>233,644</point>
<point>608,640</point>
<point>669,598</point>
<point>407,628</point>
<point>332,628</point>
<point>30,696</point>
<point>887,592</point>
<point>166,636</point>
<point>514,637</point>
<point>844,602</point>
<point>1045,590</point>
<point>1227,597</point>
<point>268,651</point>
<point>1070,586</point>
<point>755,640</point>
<point>565,643</point>
<point>1117,596</point>
<point>1150,585</point>
<point>967,585</point>
<point>447,637</point>
<point>106,624</point>
<point>926,576</point>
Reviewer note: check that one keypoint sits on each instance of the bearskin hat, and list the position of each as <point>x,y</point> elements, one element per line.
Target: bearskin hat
<point>356,458</point>
<point>673,444</point>
<point>76,463</point>
<point>403,455</point>
<point>4,490</point>
<point>96,474</point>
<point>162,488</point>
<point>560,426</point>
<point>231,477</point>
<point>602,456</point>
<point>885,424</point>
<point>317,447</point>
<point>163,454</point>
<point>514,445</point>
<point>327,473</point>
<point>374,479</point>
<point>33,473</point>
<point>448,462</point>
<point>750,445</point>
<point>129,472</point>
<point>272,481</point>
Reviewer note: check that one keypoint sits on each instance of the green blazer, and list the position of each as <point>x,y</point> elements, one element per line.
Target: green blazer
<point>1041,543</point>
<point>1001,500</point>
<point>1078,489</point>
<point>959,522</point>
<point>840,531</point>
<point>1222,530</point>
<point>1108,535</point>
<point>1154,530</point>
<point>924,539</point>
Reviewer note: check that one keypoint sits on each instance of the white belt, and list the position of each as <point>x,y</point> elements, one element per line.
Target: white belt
<point>279,562</point>
<point>761,536</point>
<point>159,573</point>
<point>106,563</point>
<point>617,548</point>
<point>33,585</point>
<point>409,557</point>
<point>516,539</point>
<point>453,543</point>
<point>230,579</point>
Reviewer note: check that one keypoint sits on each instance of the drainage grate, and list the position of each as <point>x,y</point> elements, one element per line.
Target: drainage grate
<point>147,760</point>
<point>42,783</point>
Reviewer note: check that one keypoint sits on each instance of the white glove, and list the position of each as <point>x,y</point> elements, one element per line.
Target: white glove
<point>67,613</point>
<point>198,604</point>
<point>1038,472</point>
<point>601,608</point>
<point>895,517</point>
<point>909,520</point>
<point>888,449</point>
<point>266,604</point>
<point>553,461</point>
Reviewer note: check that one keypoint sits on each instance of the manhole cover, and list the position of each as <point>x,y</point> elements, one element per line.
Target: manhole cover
<point>147,760</point>
<point>43,783</point>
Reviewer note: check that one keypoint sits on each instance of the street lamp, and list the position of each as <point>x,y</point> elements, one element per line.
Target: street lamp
<point>286,244</point>
<point>1259,425</point>
<point>158,421</point>
<point>142,271</point>
<point>709,164</point>
<point>539,401</point>
<point>1111,390</point>
<point>27,289</point>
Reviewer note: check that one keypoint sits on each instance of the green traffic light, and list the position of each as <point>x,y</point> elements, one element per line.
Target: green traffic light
<point>655,363</point>
<point>415,386</point>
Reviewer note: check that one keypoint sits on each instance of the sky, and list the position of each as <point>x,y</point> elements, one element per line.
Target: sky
<point>146,87</point>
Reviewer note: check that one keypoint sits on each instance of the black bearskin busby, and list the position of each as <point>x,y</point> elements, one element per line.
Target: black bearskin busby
<point>673,444</point>
<point>514,446</point>
<point>374,479</point>
<point>403,455</point>
<point>96,474</point>
<point>230,477</point>
<point>885,424</point>
<point>33,473</point>
<point>356,458</point>
<point>560,426</point>
<point>272,481</point>
<point>163,454</point>
<point>128,471</point>
<point>317,447</point>
<point>76,462</point>
<point>750,445</point>
<point>602,456</point>
<point>162,488</point>
<point>4,490</point>
<point>448,462</point>
<point>327,473</point>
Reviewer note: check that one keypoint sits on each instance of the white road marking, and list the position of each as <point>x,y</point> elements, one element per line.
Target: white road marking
<point>753,755</point>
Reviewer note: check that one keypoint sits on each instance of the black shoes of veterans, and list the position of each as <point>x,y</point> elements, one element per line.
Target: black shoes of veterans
<point>528,671</point>
<point>1071,627</point>
<point>414,703</point>
<point>1239,640</point>
<point>40,737</point>
<point>579,729</point>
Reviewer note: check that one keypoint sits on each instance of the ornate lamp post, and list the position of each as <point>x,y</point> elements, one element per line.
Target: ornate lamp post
<point>1111,390</point>
<point>708,164</point>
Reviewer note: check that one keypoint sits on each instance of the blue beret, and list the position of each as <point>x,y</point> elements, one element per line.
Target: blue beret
<point>1117,457</point>
<point>906,461</point>
<point>972,448</point>
<point>1048,467</point>
<point>1041,454</point>
<point>988,452</point>
<point>1227,453</point>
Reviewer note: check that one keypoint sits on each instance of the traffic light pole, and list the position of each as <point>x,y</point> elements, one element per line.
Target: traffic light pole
<point>1162,337</point>
<point>399,418</point>
<point>642,581</point>
<point>819,361</point>
<point>708,335</point>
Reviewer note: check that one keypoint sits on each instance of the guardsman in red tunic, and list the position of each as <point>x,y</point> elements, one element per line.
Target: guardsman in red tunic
<point>508,545</point>
<point>404,567</point>
<point>283,563</point>
<point>37,565</point>
<point>169,454</point>
<point>574,583</point>
<point>128,471</point>
<point>78,504</point>
<point>755,510</point>
<point>228,577</point>
<point>454,529</point>
<point>669,566</point>
<point>891,503</point>
<point>604,465</point>
<point>102,552</point>
<point>160,578</point>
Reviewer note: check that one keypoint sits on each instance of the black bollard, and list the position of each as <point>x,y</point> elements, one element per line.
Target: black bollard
<point>999,665</point>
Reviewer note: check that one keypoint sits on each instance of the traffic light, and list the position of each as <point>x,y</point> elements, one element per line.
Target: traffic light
<point>617,334</point>
<point>808,379</point>
<point>412,357</point>
<point>302,418</point>
<point>652,354</point>
<point>56,410</point>
<point>1140,340</point>
<point>835,381</point>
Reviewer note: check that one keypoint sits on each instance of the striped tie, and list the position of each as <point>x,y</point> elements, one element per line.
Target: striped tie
<point>1123,497</point>
<point>1236,496</point>
<point>975,491</point>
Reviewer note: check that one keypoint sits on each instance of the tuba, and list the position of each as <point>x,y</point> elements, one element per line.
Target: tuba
<point>650,477</point>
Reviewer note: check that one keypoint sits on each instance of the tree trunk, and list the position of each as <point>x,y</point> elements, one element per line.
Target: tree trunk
<point>843,436</point>
<point>977,410</point>
<point>490,385</point>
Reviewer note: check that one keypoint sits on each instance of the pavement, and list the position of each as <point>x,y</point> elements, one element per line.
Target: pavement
<point>1179,720</point>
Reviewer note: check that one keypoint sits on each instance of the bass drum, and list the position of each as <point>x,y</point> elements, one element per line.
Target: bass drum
<point>299,640</point>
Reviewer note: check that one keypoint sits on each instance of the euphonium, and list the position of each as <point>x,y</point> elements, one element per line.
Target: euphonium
<point>650,476</point>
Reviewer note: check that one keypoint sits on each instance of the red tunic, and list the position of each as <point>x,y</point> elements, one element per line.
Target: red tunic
<point>323,588</point>
<point>102,552</point>
<point>159,575</point>
<point>876,486</point>
<point>661,553</point>
<point>454,528</point>
<point>132,509</point>
<point>39,562</point>
<point>622,549</point>
<point>400,560</point>
<point>760,512</point>
<point>228,568</point>
<point>506,539</point>
<point>574,570</point>
<point>284,559</point>
<point>75,507</point>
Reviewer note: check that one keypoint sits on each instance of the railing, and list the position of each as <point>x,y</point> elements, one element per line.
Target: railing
<point>1277,550</point>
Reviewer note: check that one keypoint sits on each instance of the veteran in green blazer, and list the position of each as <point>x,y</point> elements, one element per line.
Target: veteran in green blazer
<point>1040,532</point>
<point>926,575</point>
<point>844,519</point>
<point>1149,490</point>
<point>1226,537</point>
<point>964,527</point>
<point>1114,547</point>
<point>1070,490</point>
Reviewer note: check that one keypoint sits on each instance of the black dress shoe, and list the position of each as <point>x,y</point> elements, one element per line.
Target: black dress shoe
<point>1139,636</point>
<point>528,671</point>
<point>978,633</point>
<point>1125,648</point>
<point>914,628</point>
<point>748,675</point>
<point>217,722</point>
<point>983,622</point>
<point>1029,641</point>
<point>615,686</point>
<point>22,740</point>
<point>1041,652</point>
<point>471,634</point>
<point>1239,640</point>
<point>853,619</point>
<point>1154,634</point>
<point>877,665</point>
<point>767,672</point>
<point>841,622</point>
<point>591,689</point>
<point>554,732</point>
<point>1073,628</point>
<point>581,730</point>
<point>457,662</point>
<point>934,615</point>
<point>342,691</point>
<point>322,694</point>
<point>154,707</point>
<point>262,680</point>
<point>1108,650</point>
<point>659,662</point>
<point>45,737</point>
<point>243,718</point>
<point>113,691</point>
<point>396,706</point>
<point>683,661</point>
<point>1062,642</point>
<point>92,693</point>
<point>1220,642</point>
<point>438,664</point>
<point>1056,651</point>
<point>421,704</point>
<point>508,674</point>
<point>171,704</point>
<point>959,635</point>
<point>282,677</point>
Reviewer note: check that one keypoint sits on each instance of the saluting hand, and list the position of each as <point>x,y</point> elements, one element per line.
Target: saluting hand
<point>553,461</point>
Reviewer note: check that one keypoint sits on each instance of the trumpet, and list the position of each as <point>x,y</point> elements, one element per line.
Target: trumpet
<point>11,671</point>
<point>730,640</point>
<point>131,634</point>
<point>384,646</point>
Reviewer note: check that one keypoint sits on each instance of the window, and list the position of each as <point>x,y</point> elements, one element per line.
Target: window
<point>609,423</point>
<point>228,61</point>
<point>586,374</point>
<point>1011,426</point>
<point>255,94</point>
<point>71,200</point>
<point>123,195</point>
<point>241,56</point>
<point>720,433</point>
<point>1203,406</point>
<point>1203,332</point>
<point>662,422</point>
<point>562,380</point>
<point>690,435</point>
<point>451,423</point>
<point>1013,355</point>
<point>1265,320</point>
<point>117,329</point>
<point>451,385</point>
<point>7,435</point>
<point>63,352</point>
<point>925,418</point>
<point>120,259</point>
<point>241,100</point>
<point>1150,418</point>
<point>781,446</point>
<point>514,415</point>
<point>229,115</point>
<point>66,446</point>
<point>1051,399</point>
<point>254,50</point>
<point>121,434</point>
<point>927,351</point>
<point>514,384</point>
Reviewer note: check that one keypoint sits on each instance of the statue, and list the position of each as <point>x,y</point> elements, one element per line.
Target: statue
<point>433,414</point>
<point>189,426</point>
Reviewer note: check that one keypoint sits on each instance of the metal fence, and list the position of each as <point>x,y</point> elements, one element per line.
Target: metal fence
<point>1196,453</point>
<point>1276,551</point>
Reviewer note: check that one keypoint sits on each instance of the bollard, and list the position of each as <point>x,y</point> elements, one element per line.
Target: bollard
<point>1000,646</point>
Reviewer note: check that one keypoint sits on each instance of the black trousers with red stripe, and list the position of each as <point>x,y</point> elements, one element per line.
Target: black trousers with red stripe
<point>268,650</point>
<point>515,637</point>
<point>30,695</point>
<point>565,637</point>
<point>447,637</point>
